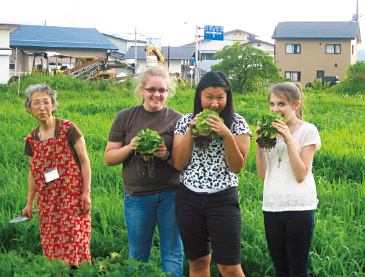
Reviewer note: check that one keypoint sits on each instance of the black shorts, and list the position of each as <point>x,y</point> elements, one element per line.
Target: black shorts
<point>210,219</point>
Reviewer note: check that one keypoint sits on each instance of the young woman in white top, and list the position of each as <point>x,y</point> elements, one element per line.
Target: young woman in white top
<point>290,195</point>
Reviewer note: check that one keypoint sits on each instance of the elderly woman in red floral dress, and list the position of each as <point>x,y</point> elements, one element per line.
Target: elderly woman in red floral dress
<point>60,179</point>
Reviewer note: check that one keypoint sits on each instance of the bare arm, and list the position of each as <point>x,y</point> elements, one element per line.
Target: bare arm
<point>300,164</point>
<point>236,151</point>
<point>81,152</point>
<point>260,158</point>
<point>183,147</point>
<point>31,195</point>
<point>116,152</point>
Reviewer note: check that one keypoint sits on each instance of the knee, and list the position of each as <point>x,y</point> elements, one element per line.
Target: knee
<point>231,270</point>
<point>200,264</point>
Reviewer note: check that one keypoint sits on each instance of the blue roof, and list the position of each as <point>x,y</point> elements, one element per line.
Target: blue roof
<point>176,53</point>
<point>317,30</point>
<point>59,37</point>
<point>117,54</point>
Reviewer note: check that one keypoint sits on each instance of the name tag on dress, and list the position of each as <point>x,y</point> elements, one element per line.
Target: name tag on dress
<point>50,175</point>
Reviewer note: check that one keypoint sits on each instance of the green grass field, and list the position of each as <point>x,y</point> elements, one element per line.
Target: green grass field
<point>338,242</point>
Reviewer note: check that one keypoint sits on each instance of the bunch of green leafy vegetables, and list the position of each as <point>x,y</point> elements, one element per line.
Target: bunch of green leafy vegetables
<point>148,142</point>
<point>267,138</point>
<point>201,127</point>
<point>202,134</point>
<point>146,147</point>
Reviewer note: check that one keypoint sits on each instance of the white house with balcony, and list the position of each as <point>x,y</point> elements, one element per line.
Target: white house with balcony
<point>207,48</point>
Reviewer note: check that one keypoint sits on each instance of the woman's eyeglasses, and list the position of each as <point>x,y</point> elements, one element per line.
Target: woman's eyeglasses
<point>160,90</point>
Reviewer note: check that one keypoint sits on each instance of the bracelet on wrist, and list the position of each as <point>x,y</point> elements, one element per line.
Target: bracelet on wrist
<point>168,156</point>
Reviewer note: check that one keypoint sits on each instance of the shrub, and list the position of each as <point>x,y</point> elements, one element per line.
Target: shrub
<point>354,84</point>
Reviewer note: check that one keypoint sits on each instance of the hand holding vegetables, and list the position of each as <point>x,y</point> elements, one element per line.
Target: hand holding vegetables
<point>146,147</point>
<point>202,134</point>
<point>267,137</point>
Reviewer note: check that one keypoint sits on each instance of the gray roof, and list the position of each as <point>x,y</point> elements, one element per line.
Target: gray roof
<point>176,53</point>
<point>117,54</point>
<point>317,30</point>
<point>257,41</point>
<point>59,37</point>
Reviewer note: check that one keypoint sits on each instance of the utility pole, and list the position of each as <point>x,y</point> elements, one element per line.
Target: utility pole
<point>355,16</point>
<point>135,51</point>
<point>196,54</point>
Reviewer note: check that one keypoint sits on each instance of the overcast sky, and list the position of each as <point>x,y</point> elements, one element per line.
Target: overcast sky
<point>174,21</point>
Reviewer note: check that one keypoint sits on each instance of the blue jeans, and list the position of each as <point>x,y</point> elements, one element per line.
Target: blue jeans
<point>289,236</point>
<point>141,215</point>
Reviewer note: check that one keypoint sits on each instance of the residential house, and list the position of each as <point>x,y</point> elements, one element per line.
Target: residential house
<point>53,47</point>
<point>306,50</point>
<point>5,50</point>
<point>176,58</point>
<point>207,48</point>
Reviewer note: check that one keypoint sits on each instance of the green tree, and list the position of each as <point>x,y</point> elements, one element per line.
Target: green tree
<point>246,66</point>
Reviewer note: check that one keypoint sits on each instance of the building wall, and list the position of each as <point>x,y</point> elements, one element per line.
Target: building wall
<point>313,57</point>
<point>4,55</point>
<point>4,38</point>
<point>354,53</point>
<point>121,44</point>
<point>266,47</point>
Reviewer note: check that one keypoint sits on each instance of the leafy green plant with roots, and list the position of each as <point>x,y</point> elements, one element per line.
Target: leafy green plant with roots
<point>202,134</point>
<point>145,149</point>
<point>267,138</point>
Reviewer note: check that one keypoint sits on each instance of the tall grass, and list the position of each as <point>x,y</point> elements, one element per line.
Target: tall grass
<point>338,241</point>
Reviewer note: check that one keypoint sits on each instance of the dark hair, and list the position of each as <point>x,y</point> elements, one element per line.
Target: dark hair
<point>215,79</point>
<point>293,92</point>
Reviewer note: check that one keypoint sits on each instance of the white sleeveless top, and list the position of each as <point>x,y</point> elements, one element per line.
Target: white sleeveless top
<point>281,190</point>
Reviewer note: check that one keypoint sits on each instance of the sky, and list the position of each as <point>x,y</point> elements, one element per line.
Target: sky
<point>175,21</point>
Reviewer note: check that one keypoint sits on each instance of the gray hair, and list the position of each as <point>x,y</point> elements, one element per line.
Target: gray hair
<point>40,88</point>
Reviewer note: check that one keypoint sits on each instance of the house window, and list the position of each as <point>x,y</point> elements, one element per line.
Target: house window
<point>206,56</point>
<point>292,49</point>
<point>333,48</point>
<point>320,73</point>
<point>292,75</point>
<point>352,49</point>
<point>11,65</point>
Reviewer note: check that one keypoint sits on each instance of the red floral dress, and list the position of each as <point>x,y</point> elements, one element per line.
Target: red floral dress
<point>65,231</point>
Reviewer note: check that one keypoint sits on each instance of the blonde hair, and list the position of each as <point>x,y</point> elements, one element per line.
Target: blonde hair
<point>150,72</point>
<point>293,92</point>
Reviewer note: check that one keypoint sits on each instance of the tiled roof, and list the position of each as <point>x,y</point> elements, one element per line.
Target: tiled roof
<point>176,53</point>
<point>316,30</point>
<point>59,37</point>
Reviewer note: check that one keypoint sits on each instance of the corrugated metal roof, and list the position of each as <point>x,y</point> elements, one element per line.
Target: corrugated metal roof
<point>59,37</point>
<point>316,30</point>
<point>176,53</point>
<point>117,54</point>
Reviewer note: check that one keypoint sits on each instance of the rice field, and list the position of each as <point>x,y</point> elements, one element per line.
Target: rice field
<point>339,168</point>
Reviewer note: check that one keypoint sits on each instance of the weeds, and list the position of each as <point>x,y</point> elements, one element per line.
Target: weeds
<point>338,167</point>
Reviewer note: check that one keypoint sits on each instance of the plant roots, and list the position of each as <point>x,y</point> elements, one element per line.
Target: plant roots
<point>202,141</point>
<point>266,142</point>
<point>146,165</point>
